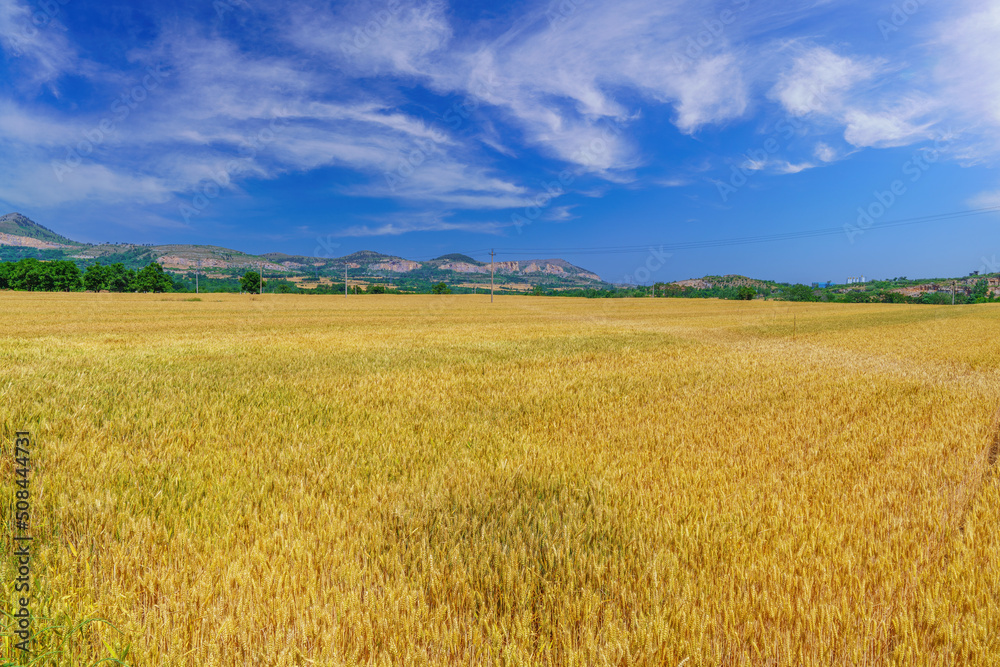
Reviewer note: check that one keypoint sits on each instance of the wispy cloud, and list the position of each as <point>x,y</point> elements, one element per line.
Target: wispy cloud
<point>376,38</point>
<point>968,76</point>
<point>219,100</point>
<point>986,200</point>
<point>556,78</point>
<point>37,37</point>
<point>820,81</point>
<point>789,168</point>
<point>556,88</point>
<point>427,222</point>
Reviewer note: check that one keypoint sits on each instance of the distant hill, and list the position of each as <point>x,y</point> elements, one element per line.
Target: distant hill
<point>15,224</point>
<point>929,290</point>
<point>457,257</point>
<point>730,281</point>
<point>20,237</point>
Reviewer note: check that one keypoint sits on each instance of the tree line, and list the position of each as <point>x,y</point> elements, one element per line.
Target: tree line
<point>979,293</point>
<point>32,275</point>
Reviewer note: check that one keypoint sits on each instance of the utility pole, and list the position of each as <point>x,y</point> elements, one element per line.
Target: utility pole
<point>260,290</point>
<point>196,272</point>
<point>492,269</point>
<point>954,284</point>
<point>345,280</point>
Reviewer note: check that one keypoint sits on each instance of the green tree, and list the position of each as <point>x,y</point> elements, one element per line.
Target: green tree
<point>936,299</point>
<point>538,290</point>
<point>283,287</point>
<point>66,276</point>
<point>799,293</point>
<point>27,275</point>
<point>152,278</point>
<point>856,296</point>
<point>251,283</point>
<point>95,277</point>
<point>375,288</point>
<point>888,296</point>
<point>981,292</point>
<point>440,288</point>
<point>119,279</point>
<point>746,293</point>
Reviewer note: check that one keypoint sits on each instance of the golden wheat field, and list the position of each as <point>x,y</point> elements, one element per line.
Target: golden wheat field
<point>407,480</point>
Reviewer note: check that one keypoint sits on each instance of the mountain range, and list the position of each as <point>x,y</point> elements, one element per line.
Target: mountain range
<point>21,237</point>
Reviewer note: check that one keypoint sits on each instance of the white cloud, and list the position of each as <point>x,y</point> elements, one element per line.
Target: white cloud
<point>429,222</point>
<point>31,183</point>
<point>673,182</point>
<point>379,38</point>
<point>819,82</point>
<point>560,214</point>
<point>986,200</point>
<point>789,168</point>
<point>339,95</point>
<point>854,93</point>
<point>38,37</point>
<point>714,92</point>
<point>557,80</point>
<point>970,72</point>
<point>222,112</point>
<point>825,153</point>
<point>967,75</point>
<point>775,166</point>
<point>885,128</point>
<point>37,128</point>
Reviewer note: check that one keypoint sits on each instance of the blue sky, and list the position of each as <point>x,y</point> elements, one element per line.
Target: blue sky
<point>538,128</point>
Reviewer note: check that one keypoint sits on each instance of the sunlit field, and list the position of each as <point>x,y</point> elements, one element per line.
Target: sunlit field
<point>406,480</point>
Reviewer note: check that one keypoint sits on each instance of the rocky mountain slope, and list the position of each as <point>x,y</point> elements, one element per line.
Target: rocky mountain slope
<point>17,230</point>
<point>20,237</point>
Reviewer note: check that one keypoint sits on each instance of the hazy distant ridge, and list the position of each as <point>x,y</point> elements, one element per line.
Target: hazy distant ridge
<point>17,231</point>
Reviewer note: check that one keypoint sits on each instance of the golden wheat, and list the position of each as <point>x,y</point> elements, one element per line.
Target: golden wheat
<point>287,480</point>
